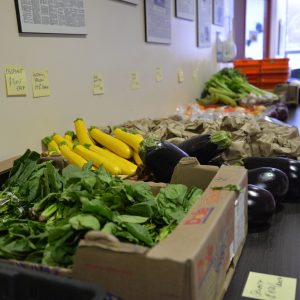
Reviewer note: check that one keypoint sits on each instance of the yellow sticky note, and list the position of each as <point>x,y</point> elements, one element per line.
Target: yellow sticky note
<point>135,81</point>
<point>180,76</point>
<point>98,84</point>
<point>158,74</point>
<point>40,83</point>
<point>270,287</point>
<point>15,80</point>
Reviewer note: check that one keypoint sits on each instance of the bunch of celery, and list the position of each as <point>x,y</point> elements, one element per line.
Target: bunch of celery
<point>229,87</point>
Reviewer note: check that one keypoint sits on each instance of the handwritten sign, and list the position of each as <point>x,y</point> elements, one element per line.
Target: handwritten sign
<point>135,81</point>
<point>15,81</point>
<point>98,84</point>
<point>180,76</point>
<point>40,83</point>
<point>158,74</point>
<point>270,287</point>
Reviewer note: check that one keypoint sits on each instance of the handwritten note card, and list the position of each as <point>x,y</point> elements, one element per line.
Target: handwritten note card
<point>135,81</point>
<point>15,80</point>
<point>158,74</point>
<point>98,84</point>
<point>40,83</point>
<point>270,287</point>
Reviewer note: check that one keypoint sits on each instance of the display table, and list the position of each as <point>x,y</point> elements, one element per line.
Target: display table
<point>274,250</point>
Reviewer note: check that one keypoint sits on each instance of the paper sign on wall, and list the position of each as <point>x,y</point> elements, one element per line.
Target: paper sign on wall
<point>180,76</point>
<point>40,83</point>
<point>158,74</point>
<point>98,84</point>
<point>135,81</point>
<point>15,81</point>
<point>270,287</point>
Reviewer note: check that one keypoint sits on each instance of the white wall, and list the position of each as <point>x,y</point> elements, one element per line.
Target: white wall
<point>115,46</point>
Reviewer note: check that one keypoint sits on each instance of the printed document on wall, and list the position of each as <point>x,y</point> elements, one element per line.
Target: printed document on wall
<point>55,16</point>
<point>158,21</point>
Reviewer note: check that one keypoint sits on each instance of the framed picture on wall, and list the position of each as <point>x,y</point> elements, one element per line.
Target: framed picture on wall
<point>218,14</point>
<point>204,20</point>
<point>131,1</point>
<point>185,9</point>
<point>53,16</point>
<point>158,21</point>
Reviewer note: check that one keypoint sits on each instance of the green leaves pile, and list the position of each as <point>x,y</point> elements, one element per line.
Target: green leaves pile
<point>44,212</point>
<point>229,87</point>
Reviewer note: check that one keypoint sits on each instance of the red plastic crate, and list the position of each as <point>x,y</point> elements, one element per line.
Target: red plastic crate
<point>275,65</point>
<point>253,79</point>
<point>248,66</point>
<point>264,73</point>
<point>274,78</point>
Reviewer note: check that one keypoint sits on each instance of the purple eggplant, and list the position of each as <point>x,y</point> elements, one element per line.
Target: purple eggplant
<point>205,147</point>
<point>160,157</point>
<point>261,205</point>
<point>290,167</point>
<point>273,180</point>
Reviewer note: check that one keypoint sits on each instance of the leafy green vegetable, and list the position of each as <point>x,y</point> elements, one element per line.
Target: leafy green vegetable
<point>229,86</point>
<point>140,232</point>
<point>81,221</point>
<point>130,219</point>
<point>44,212</point>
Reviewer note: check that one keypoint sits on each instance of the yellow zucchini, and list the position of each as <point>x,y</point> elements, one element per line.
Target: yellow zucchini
<point>131,139</point>
<point>72,157</point>
<point>113,144</point>
<point>137,159</point>
<point>69,135</point>
<point>82,132</point>
<point>97,159</point>
<point>52,146</point>
<point>58,139</point>
<point>127,167</point>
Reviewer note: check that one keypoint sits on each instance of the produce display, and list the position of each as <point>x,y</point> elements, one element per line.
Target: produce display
<point>45,211</point>
<point>161,157</point>
<point>228,93</point>
<point>122,152</point>
<point>249,137</point>
<point>230,87</point>
<point>117,154</point>
<point>270,151</point>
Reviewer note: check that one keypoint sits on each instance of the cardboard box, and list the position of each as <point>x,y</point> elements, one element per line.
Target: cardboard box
<point>196,261</point>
